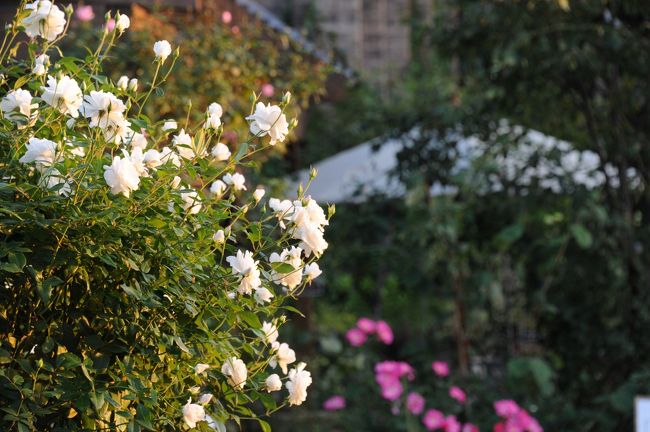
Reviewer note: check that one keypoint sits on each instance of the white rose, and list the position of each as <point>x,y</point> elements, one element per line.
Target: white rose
<point>292,257</point>
<point>312,271</point>
<point>123,22</point>
<point>201,367</point>
<point>45,20</point>
<point>205,399</point>
<point>191,202</point>
<point>269,120</point>
<point>217,188</point>
<point>51,178</point>
<point>235,180</point>
<point>123,82</point>
<point>41,151</point>
<point>220,152</point>
<point>40,64</point>
<point>262,295</point>
<point>283,357</point>
<point>152,158</point>
<point>270,332</point>
<point>193,413</point>
<point>219,237</point>
<point>169,125</point>
<point>299,380</point>
<point>273,383</point>
<point>162,49</point>
<point>176,182</point>
<point>244,264</point>
<point>183,145</point>
<point>19,101</point>
<point>122,176</point>
<point>104,110</point>
<point>135,139</point>
<point>63,94</point>
<point>258,194</point>
<point>133,84</point>
<point>168,155</point>
<point>235,370</point>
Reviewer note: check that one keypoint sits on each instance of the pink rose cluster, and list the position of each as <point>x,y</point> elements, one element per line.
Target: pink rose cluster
<point>365,327</point>
<point>436,420</point>
<point>514,418</point>
<point>389,374</point>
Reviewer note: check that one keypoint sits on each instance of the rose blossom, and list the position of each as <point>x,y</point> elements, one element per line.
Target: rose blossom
<point>440,368</point>
<point>299,380</point>
<point>384,332</point>
<point>193,413</point>
<point>415,403</point>
<point>334,403</point>
<point>433,419</point>
<point>355,337</point>
<point>162,49</point>
<point>269,120</point>
<point>273,383</point>
<point>366,325</point>
<point>235,370</point>
<point>458,394</point>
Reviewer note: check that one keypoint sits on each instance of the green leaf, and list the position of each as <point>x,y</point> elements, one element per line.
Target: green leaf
<point>45,288</point>
<point>251,319</point>
<point>581,235</point>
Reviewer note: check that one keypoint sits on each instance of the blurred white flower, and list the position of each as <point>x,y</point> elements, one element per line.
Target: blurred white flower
<point>235,180</point>
<point>213,116</point>
<point>283,357</point>
<point>263,295</point>
<point>135,139</point>
<point>191,202</point>
<point>63,94</point>
<point>273,383</point>
<point>123,82</point>
<point>245,265</point>
<point>259,193</point>
<point>235,370</point>
<point>176,182</point>
<point>122,176</point>
<point>270,332</point>
<point>193,413</point>
<point>51,178</point>
<point>168,155</point>
<point>40,64</point>
<point>19,101</point>
<point>183,145</point>
<point>219,237</point>
<point>312,271</point>
<point>220,152</point>
<point>123,22</point>
<point>283,210</point>
<point>133,84</point>
<point>201,367</point>
<point>205,398</point>
<point>162,49</point>
<point>152,158</point>
<point>299,380</point>
<point>41,151</point>
<point>137,158</point>
<point>269,119</point>
<point>45,20</point>
<point>218,187</point>
<point>169,125</point>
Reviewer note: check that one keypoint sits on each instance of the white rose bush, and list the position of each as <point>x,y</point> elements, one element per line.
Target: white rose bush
<point>144,280</point>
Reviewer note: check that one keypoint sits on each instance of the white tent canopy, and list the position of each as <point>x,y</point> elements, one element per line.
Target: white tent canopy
<point>357,173</point>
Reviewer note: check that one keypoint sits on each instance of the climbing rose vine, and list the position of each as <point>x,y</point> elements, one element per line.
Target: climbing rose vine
<point>143,279</point>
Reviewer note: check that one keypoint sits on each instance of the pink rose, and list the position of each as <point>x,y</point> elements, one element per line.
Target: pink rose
<point>384,332</point>
<point>356,337</point>
<point>433,419</point>
<point>391,389</point>
<point>506,408</point>
<point>110,25</point>
<point>226,17</point>
<point>85,13</point>
<point>334,403</point>
<point>268,90</point>
<point>452,424</point>
<point>415,403</point>
<point>440,368</point>
<point>367,325</point>
<point>469,427</point>
<point>458,394</point>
